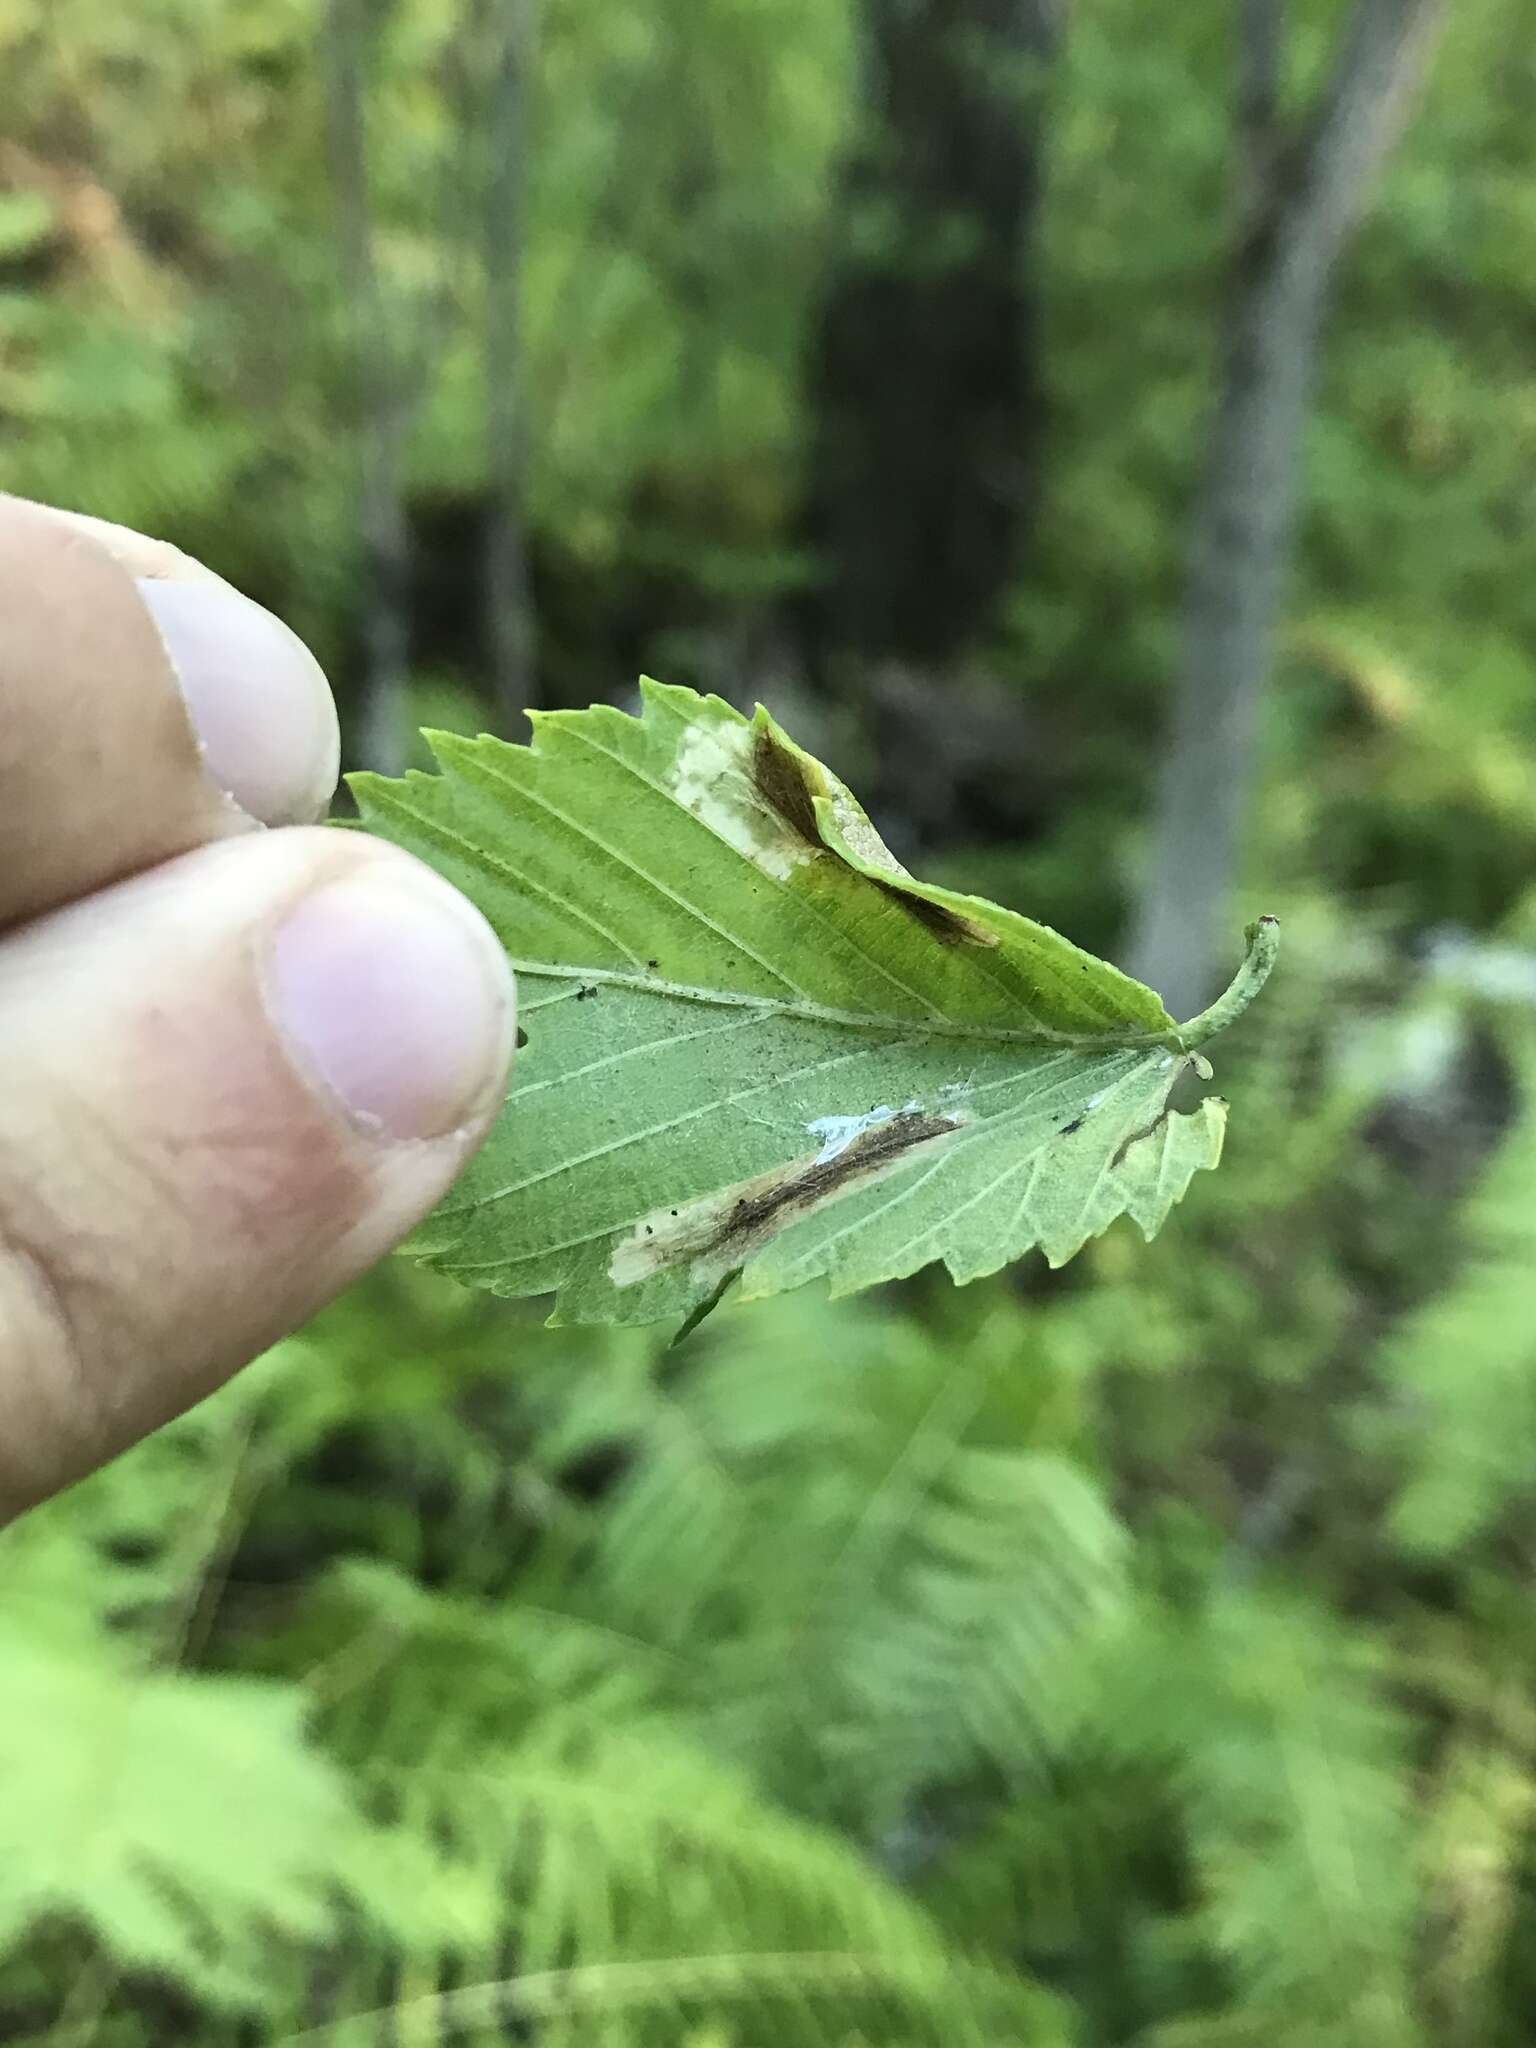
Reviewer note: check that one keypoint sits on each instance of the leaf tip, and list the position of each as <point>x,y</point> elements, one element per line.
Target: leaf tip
<point>1263,937</point>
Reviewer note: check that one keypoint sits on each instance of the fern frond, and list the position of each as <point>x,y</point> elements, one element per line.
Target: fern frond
<point>950,2005</point>
<point>868,1548</point>
<point>1290,1768</point>
<point>184,1821</point>
<point>601,1854</point>
<point>1462,1369</point>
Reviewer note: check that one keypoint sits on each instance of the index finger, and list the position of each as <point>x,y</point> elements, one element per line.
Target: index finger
<point>146,707</point>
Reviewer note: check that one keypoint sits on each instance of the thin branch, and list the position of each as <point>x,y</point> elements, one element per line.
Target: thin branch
<point>1291,237</point>
<point>386,411</point>
<point>509,597</point>
<point>1358,116</point>
<point>1260,43</point>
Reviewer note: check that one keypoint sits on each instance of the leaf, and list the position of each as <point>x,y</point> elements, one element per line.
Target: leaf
<point>185,1820</point>
<point>757,1045</point>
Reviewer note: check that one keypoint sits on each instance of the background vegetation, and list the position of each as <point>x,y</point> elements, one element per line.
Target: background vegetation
<point>1141,1654</point>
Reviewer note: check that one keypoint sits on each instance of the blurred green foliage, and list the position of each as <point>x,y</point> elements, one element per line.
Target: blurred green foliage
<point>1140,1654</point>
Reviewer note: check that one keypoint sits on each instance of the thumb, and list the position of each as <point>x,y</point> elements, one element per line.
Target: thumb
<point>230,1086</point>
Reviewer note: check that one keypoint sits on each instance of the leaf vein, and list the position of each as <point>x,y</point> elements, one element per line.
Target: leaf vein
<point>630,1052</point>
<point>629,865</point>
<point>623,1144</point>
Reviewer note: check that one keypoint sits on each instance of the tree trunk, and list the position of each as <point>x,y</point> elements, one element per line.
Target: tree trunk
<point>384,425</point>
<point>510,622</point>
<point>923,386</point>
<point>1301,190</point>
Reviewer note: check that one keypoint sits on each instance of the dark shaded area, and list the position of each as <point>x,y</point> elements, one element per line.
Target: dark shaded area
<point>925,387</point>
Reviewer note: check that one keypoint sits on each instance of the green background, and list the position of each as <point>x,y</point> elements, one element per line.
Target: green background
<point>1137,1654</point>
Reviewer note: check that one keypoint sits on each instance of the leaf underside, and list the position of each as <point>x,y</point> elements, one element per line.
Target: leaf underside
<point>757,1046</point>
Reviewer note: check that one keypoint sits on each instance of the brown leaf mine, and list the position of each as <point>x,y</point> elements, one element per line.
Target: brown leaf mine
<point>789,781</point>
<point>721,1231</point>
<point>780,781</point>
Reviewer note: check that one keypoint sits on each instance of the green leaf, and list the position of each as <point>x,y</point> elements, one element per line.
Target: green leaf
<point>757,1045</point>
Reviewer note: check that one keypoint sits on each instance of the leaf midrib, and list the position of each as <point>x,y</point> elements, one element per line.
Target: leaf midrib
<point>982,964</point>
<point>1171,1040</point>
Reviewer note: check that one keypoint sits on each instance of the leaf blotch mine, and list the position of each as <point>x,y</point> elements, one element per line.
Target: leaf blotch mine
<point>783,782</point>
<point>937,919</point>
<point>780,781</point>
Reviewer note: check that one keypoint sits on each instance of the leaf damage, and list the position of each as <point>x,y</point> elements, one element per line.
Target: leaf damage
<point>719,1232</point>
<point>781,783</point>
<point>713,779</point>
<point>790,783</point>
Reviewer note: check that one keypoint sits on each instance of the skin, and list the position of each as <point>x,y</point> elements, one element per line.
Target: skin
<point>240,1056</point>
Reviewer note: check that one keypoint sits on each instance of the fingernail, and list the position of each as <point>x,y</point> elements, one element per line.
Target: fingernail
<point>258,699</point>
<point>395,996</point>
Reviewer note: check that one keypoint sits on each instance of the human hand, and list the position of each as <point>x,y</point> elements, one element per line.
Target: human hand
<point>236,1064</point>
